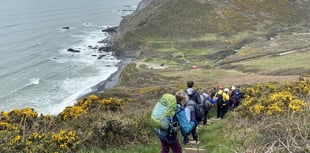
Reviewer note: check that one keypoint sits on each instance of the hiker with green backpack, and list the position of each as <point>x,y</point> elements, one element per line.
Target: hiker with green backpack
<point>167,113</point>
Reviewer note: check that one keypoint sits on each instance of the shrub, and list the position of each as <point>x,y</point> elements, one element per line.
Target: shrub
<point>91,104</point>
<point>275,116</point>
<point>275,98</point>
<point>71,112</point>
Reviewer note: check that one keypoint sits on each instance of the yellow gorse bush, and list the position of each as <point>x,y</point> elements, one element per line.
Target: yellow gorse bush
<point>112,104</point>
<point>6,116</point>
<point>92,102</point>
<point>14,119</point>
<point>64,139</point>
<point>275,98</point>
<point>7,126</point>
<point>71,112</point>
<point>37,136</point>
<point>27,112</point>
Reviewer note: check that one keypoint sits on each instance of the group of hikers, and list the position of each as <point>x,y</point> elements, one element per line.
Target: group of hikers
<point>186,109</point>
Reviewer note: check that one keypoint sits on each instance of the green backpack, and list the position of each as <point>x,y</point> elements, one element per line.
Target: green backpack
<point>165,108</point>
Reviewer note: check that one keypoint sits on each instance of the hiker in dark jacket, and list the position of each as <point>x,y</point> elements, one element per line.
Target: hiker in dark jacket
<point>192,93</point>
<point>221,99</point>
<point>169,139</point>
<point>236,96</point>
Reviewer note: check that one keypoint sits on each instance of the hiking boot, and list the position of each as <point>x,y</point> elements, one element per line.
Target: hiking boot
<point>195,137</point>
<point>185,140</point>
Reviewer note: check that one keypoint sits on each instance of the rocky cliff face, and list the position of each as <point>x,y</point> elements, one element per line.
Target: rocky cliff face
<point>188,19</point>
<point>144,3</point>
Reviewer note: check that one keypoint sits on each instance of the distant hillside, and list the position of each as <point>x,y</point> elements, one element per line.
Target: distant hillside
<point>176,20</point>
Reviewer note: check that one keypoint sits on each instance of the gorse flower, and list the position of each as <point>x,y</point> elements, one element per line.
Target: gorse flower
<point>71,112</point>
<point>275,98</point>
<point>87,105</point>
<point>64,139</point>
<point>16,139</point>
<point>7,126</point>
<point>257,109</point>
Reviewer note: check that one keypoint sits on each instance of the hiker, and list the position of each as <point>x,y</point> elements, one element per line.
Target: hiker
<point>212,95</point>
<point>193,109</point>
<point>221,99</point>
<point>190,112</point>
<point>229,104</point>
<point>226,90</point>
<point>168,137</point>
<point>205,98</point>
<point>192,94</point>
<point>236,97</point>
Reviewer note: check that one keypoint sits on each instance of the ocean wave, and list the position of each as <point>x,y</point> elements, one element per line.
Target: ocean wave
<point>34,81</point>
<point>86,59</point>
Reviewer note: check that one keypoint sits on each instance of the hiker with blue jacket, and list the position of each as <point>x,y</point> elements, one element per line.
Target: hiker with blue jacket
<point>168,137</point>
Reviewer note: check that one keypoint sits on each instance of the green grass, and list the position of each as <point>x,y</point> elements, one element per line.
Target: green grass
<point>213,137</point>
<point>294,60</point>
<point>216,137</point>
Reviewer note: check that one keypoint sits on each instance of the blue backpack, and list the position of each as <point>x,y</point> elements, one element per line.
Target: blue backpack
<point>237,95</point>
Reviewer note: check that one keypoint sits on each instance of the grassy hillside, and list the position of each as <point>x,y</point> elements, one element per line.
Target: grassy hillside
<point>179,19</point>
<point>182,19</point>
<point>232,42</point>
<point>213,33</point>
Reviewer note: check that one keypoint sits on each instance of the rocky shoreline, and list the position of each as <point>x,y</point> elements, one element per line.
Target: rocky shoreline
<point>113,79</point>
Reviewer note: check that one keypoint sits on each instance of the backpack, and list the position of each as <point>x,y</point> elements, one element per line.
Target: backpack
<point>207,106</point>
<point>237,95</point>
<point>199,111</point>
<point>220,99</point>
<point>164,111</point>
<point>172,130</point>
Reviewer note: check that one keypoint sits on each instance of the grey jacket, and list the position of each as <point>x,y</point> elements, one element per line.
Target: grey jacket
<point>190,110</point>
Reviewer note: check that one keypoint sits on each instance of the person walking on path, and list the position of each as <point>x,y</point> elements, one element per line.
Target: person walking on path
<point>168,138</point>
<point>190,113</point>
<point>192,93</point>
<point>207,106</point>
<point>221,99</point>
<point>236,96</point>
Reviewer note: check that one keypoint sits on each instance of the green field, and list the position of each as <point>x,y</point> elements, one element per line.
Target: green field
<point>289,61</point>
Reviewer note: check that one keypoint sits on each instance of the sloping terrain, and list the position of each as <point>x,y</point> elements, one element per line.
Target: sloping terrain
<point>218,34</point>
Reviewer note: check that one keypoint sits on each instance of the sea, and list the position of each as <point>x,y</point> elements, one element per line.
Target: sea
<point>36,70</point>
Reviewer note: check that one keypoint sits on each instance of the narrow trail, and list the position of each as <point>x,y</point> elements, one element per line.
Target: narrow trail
<point>192,147</point>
